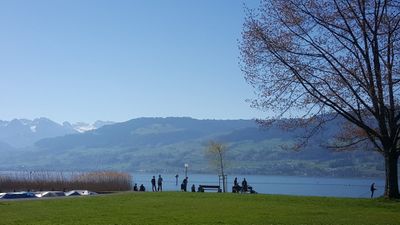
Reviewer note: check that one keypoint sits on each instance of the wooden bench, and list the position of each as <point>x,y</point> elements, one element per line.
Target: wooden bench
<point>202,188</point>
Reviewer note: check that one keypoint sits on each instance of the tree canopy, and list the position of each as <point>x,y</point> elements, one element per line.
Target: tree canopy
<point>309,58</point>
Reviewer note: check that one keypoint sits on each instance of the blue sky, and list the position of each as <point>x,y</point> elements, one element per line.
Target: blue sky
<point>83,60</point>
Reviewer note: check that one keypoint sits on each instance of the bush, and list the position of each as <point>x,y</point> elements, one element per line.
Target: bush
<point>60,181</point>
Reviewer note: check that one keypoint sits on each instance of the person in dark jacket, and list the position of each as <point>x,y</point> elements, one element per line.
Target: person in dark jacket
<point>182,187</point>
<point>236,187</point>
<point>372,188</point>
<point>142,188</point>
<point>193,188</point>
<point>159,182</point>
<point>244,185</point>
<point>153,184</point>
<point>176,179</point>
<point>184,184</point>
<point>135,188</point>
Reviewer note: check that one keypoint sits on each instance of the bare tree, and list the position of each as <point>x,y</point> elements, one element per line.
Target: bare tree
<point>216,152</point>
<point>309,58</point>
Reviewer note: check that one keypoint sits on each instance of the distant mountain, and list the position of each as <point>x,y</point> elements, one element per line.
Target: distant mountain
<point>5,148</point>
<point>166,144</point>
<point>146,132</point>
<point>20,133</point>
<point>23,132</point>
<point>82,127</point>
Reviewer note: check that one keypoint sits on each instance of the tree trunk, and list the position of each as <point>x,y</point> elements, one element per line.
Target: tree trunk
<point>392,180</point>
<point>222,172</point>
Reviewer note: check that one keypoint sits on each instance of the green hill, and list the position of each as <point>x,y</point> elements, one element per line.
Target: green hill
<point>165,144</point>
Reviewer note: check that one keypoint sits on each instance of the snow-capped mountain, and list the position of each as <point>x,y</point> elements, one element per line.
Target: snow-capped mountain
<point>82,127</point>
<point>24,132</point>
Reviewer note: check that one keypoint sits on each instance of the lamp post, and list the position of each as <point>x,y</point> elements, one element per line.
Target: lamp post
<point>186,168</point>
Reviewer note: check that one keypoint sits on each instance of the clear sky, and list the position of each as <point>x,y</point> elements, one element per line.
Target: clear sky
<point>84,60</point>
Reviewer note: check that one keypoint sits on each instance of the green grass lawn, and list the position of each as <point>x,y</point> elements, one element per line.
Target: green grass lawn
<point>199,208</point>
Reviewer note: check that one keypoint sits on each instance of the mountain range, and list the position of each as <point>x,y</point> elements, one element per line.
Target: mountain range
<point>166,144</point>
<point>19,133</point>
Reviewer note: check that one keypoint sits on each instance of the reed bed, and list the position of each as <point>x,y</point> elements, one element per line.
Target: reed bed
<point>100,181</point>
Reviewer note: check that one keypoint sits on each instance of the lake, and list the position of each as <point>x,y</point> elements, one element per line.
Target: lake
<point>287,185</point>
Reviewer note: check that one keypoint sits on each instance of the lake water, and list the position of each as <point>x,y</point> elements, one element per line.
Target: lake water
<point>287,185</point>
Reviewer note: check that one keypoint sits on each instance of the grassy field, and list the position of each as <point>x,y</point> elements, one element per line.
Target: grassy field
<point>199,208</point>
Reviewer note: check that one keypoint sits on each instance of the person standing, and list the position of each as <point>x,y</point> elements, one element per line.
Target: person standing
<point>373,189</point>
<point>153,184</point>
<point>176,179</point>
<point>184,184</point>
<point>159,182</point>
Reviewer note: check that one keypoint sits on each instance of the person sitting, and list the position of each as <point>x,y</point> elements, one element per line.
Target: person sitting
<point>135,188</point>
<point>244,185</point>
<point>142,188</point>
<point>193,188</point>
<point>236,188</point>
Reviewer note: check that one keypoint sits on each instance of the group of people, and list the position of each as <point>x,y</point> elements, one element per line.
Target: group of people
<point>141,188</point>
<point>184,183</point>
<point>235,189</point>
<point>157,184</point>
<point>153,185</point>
<point>242,189</point>
<point>155,188</point>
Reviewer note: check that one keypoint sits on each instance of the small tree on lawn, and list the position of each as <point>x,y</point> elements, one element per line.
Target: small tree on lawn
<point>216,153</point>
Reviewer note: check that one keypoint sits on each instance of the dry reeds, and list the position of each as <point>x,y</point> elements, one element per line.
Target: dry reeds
<point>65,181</point>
